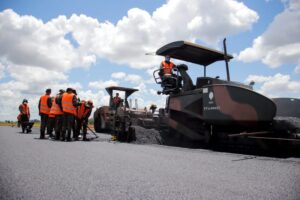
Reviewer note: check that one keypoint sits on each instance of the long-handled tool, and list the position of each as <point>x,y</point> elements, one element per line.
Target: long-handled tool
<point>92,131</point>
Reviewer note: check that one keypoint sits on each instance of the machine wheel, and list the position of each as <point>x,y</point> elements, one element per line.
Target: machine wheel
<point>102,123</point>
<point>97,121</point>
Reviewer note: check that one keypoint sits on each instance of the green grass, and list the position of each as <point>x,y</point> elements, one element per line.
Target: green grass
<point>36,124</point>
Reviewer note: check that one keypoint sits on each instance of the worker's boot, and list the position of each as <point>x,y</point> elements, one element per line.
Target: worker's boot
<point>69,136</point>
<point>57,135</point>
<point>42,135</point>
<point>84,137</point>
<point>63,136</point>
<point>75,135</point>
<point>51,135</point>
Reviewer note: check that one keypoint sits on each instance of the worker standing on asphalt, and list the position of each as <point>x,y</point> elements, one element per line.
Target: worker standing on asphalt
<point>68,103</point>
<point>44,110</point>
<point>58,112</point>
<point>84,112</point>
<point>24,116</point>
<point>51,121</point>
<point>75,134</point>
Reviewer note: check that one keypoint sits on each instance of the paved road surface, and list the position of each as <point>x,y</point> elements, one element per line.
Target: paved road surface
<point>43,169</point>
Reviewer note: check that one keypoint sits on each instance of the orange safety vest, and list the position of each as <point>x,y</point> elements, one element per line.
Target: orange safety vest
<point>43,105</point>
<point>167,67</point>
<point>82,111</point>
<point>67,103</point>
<point>55,109</point>
<point>25,109</point>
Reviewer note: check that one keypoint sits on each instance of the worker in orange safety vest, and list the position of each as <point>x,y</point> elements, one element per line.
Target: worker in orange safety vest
<point>44,110</point>
<point>51,120</point>
<point>57,111</point>
<point>24,116</point>
<point>83,114</point>
<point>166,67</point>
<point>68,102</point>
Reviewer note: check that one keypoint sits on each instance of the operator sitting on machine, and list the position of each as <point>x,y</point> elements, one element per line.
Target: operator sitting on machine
<point>116,101</point>
<point>166,73</point>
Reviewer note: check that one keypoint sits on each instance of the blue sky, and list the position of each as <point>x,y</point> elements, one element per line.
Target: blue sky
<point>93,44</point>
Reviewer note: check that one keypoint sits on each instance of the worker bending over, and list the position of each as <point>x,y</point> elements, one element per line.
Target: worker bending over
<point>83,114</point>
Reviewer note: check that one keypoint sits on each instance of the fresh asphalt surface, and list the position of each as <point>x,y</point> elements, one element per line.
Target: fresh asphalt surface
<point>44,169</point>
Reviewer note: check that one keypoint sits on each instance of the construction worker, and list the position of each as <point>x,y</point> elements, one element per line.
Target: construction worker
<point>75,132</point>
<point>24,116</point>
<point>68,103</point>
<point>166,67</point>
<point>116,101</point>
<point>51,121</point>
<point>84,112</point>
<point>58,112</point>
<point>44,110</point>
<point>153,108</point>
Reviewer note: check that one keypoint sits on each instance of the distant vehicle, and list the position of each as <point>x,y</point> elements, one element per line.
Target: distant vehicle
<point>116,121</point>
<point>212,110</point>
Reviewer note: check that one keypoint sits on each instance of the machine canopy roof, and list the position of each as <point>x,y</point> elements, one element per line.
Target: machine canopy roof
<point>191,52</point>
<point>128,91</point>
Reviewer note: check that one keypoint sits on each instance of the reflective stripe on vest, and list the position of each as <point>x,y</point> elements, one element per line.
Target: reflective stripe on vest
<point>55,109</point>
<point>67,103</point>
<point>167,67</point>
<point>83,111</point>
<point>43,105</point>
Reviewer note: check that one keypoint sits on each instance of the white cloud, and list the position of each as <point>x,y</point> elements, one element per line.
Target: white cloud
<point>36,55</point>
<point>152,92</point>
<point>2,70</point>
<point>139,32</point>
<point>125,42</point>
<point>279,85</point>
<point>36,75</point>
<point>99,98</point>
<point>26,40</point>
<point>258,78</point>
<point>280,43</point>
<point>118,75</point>
<point>13,92</point>
<point>132,78</point>
<point>102,84</point>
